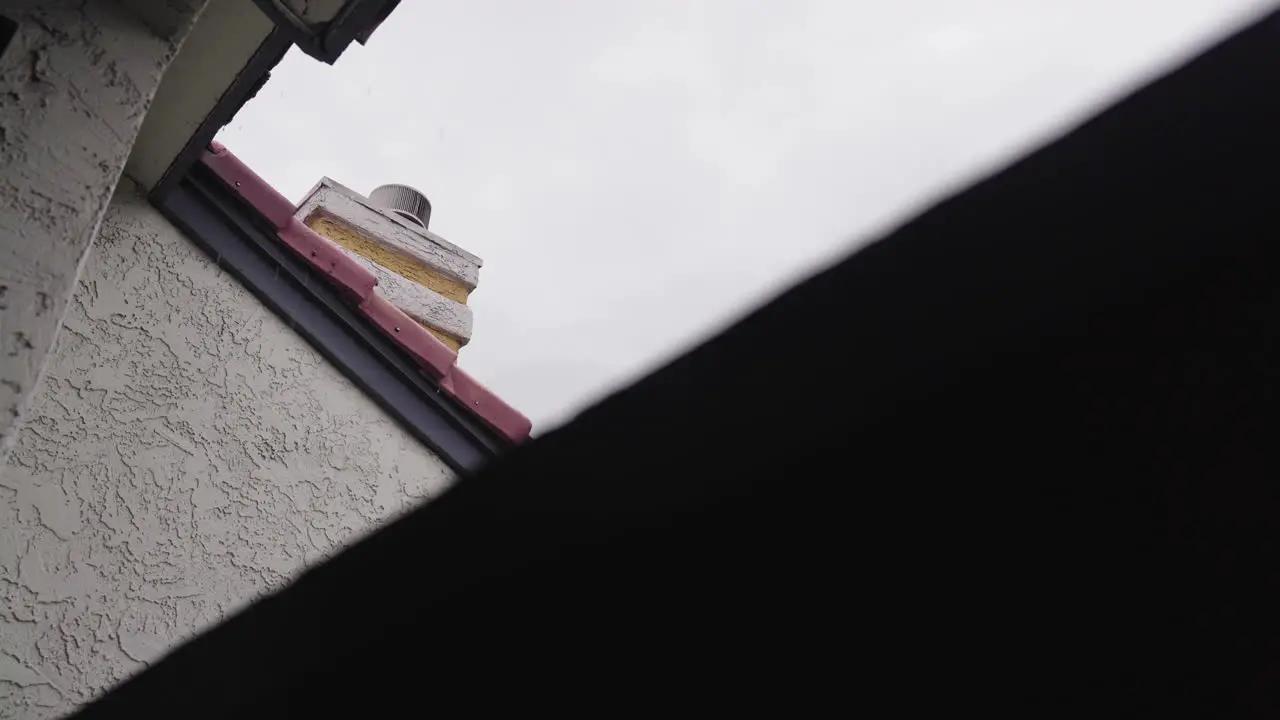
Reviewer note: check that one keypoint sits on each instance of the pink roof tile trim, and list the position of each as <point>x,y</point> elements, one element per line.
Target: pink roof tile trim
<point>432,355</point>
<point>484,403</point>
<point>266,199</point>
<point>355,278</point>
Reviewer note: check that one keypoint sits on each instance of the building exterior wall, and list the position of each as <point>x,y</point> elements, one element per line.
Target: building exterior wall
<point>186,453</point>
<point>74,88</point>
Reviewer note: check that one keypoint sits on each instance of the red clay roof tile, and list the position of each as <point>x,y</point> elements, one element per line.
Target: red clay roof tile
<point>355,278</point>
<point>275,207</point>
<point>434,356</point>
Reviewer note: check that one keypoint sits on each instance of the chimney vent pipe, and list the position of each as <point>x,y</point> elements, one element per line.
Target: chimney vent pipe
<point>403,201</point>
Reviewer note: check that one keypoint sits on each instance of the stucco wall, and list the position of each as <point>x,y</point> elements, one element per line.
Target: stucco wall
<point>186,452</point>
<point>74,88</point>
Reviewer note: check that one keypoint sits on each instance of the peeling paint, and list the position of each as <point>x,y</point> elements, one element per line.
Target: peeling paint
<point>186,452</point>
<point>332,200</point>
<point>418,302</point>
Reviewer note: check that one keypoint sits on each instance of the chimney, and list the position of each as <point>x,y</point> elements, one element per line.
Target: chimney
<point>420,272</point>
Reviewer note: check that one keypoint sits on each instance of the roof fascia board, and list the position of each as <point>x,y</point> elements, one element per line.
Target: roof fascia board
<point>245,85</point>
<point>219,51</point>
<point>355,19</point>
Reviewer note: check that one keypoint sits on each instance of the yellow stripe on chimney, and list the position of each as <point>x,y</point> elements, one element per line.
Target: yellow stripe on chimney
<point>399,263</point>
<point>454,343</point>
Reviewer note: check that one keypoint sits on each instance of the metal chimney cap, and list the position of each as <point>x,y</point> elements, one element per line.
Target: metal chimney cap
<point>404,201</point>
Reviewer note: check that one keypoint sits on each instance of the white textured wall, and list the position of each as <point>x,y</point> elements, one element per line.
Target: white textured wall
<point>186,452</point>
<point>74,88</point>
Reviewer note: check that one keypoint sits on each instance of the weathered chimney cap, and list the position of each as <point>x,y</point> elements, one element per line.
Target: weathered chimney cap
<point>404,201</point>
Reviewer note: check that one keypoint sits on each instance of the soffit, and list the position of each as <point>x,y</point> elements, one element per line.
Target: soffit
<point>214,54</point>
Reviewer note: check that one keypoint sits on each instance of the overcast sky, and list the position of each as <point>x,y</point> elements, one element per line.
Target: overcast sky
<point>638,174</point>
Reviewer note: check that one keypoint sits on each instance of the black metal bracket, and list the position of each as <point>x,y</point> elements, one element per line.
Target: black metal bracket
<point>327,41</point>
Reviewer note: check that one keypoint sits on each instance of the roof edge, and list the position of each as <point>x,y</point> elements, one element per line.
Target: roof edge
<point>435,358</point>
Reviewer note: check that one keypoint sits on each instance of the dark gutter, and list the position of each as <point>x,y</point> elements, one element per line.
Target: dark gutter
<point>244,243</point>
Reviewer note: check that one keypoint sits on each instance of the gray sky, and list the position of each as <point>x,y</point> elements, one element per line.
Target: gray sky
<point>637,175</point>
